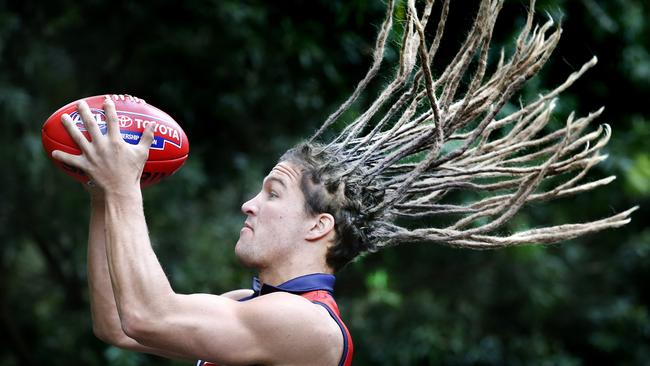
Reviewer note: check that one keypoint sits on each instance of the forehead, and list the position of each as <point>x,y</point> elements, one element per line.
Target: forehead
<point>285,173</point>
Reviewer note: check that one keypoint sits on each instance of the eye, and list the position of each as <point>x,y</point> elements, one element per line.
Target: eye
<point>272,194</point>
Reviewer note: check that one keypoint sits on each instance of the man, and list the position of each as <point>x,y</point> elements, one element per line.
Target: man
<point>134,306</point>
<point>430,161</point>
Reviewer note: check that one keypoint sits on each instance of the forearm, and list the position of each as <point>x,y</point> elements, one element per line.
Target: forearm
<point>106,322</point>
<point>139,284</point>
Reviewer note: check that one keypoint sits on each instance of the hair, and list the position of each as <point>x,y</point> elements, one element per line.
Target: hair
<point>329,187</point>
<point>422,138</point>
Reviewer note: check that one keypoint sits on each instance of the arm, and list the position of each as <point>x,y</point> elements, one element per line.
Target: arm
<point>238,294</point>
<point>106,321</point>
<point>276,328</point>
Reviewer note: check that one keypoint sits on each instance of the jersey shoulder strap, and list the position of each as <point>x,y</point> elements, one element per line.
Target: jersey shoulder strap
<point>325,299</point>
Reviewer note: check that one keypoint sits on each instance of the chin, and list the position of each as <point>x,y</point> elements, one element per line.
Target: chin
<point>245,255</point>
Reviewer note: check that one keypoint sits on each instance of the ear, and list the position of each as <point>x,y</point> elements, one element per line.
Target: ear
<point>323,224</point>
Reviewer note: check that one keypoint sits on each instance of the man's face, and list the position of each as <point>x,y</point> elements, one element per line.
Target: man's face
<point>276,219</point>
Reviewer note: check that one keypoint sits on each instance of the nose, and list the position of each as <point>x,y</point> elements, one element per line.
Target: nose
<point>249,207</point>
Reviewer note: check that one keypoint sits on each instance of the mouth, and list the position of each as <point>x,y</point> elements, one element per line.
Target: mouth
<point>247,226</point>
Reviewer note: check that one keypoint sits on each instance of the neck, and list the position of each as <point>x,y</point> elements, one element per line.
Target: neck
<point>276,275</point>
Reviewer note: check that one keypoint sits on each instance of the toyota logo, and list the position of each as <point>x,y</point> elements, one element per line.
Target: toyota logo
<point>124,120</point>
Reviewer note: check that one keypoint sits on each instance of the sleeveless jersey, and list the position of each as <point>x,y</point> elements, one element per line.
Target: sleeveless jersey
<point>317,288</point>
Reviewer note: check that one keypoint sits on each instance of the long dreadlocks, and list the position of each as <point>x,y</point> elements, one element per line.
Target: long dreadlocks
<point>425,137</point>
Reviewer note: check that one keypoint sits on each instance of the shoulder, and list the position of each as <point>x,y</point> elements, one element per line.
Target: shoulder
<point>295,325</point>
<point>289,309</point>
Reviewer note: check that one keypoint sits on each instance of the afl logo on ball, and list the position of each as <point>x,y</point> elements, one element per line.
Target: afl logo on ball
<point>124,120</point>
<point>98,115</point>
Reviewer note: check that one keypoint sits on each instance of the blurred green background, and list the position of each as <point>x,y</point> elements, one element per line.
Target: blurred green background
<point>246,80</point>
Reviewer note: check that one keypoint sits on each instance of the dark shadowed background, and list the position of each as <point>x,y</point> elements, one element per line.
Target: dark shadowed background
<point>246,80</point>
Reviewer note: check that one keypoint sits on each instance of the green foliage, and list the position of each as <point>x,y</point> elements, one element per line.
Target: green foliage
<point>248,79</point>
<point>638,177</point>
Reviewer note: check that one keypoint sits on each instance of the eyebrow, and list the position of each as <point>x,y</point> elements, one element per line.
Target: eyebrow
<point>275,179</point>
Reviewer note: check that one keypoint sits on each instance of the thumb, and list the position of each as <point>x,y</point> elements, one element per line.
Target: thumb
<point>147,136</point>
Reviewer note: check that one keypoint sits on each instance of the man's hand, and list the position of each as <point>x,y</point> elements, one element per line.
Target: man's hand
<point>112,164</point>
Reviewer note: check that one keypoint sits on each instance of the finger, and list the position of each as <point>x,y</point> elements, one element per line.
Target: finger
<point>78,161</point>
<point>74,132</point>
<point>147,136</point>
<point>112,124</point>
<point>89,120</point>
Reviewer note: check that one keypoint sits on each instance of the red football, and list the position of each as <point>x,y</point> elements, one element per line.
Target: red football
<point>167,153</point>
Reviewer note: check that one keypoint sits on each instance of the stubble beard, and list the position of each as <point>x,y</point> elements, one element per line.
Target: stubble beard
<point>245,253</point>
